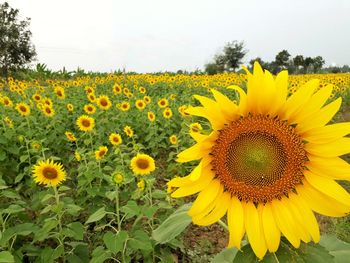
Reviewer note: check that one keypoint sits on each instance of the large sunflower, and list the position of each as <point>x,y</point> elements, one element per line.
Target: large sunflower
<point>48,173</point>
<point>23,109</point>
<point>269,162</point>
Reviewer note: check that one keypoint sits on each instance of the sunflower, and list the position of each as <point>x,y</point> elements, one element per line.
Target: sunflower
<point>70,107</point>
<point>85,123</point>
<point>49,173</point>
<point>147,99</point>
<point>77,156</point>
<point>60,92</point>
<point>8,121</point>
<point>89,89</point>
<point>118,178</point>
<point>167,113</point>
<point>142,90</point>
<point>173,139</point>
<point>101,152</point>
<point>140,104</point>
<point>151,116</point>
<point>124,106</point>
<point>142,164</point>
<point>89,109</point>
<point>173,96</point>
<point>7,101</point>
<point>115,139</point>
<point>47,101</point>
<point>162,103</point>
<point>48,111</point>
<point>117,89</point>
<point>104,102</point>
<point>269,163</point>
<point>128,131</point>
<point>23,109</point>
<point>36,97</point>
<point>141,185</point>
<point>91,97</point>
<point>70,136</point>
<point>195,127</point>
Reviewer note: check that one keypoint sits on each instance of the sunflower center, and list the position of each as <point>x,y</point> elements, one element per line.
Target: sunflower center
<point>142,163</point>
<point>258,158</point>
<point>103,102</point>
<point>50,173</point>
<point>85,123</point>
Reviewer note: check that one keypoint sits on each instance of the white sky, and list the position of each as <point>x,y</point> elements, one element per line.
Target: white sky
<point>159,35</point>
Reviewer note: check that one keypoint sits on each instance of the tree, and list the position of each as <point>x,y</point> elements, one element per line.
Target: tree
<point>318,63</point>
<point>282,59</point>
<point>234,52</point>
<point>16,49</point>
<point>308,61</point>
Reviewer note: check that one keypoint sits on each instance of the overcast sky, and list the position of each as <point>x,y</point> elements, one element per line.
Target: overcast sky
<point>159,35</point>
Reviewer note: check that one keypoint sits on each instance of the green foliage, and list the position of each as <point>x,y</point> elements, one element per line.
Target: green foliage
<point>16,49</point>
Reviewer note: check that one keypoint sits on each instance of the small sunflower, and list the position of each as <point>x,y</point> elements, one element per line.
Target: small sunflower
<point>124,106</point>
<point>142,164</point>
<point>269,163</point>
<point>89,90</point>
<point>151,116</point>
<point>48,111</point>
<point>142,90</point>
<point>23,109</point>
<point>77,156</point>
<point>8,121</point>
<point>115,139</point>
<point>118,178</point>
<point>140,104</point>
<point>147,99</point>
<point>141,185</point>
<point>167,113</point>
<point>128,131</point>
<point>117,89</point>
<point>36,97</point>
<point>49,173</point>
<point>173,139</point>
<point>70,136</point>
<point>47,101</point>
<point>60,92</point>
<point>162,103</point>
<point>7,101</point>
<point>85,123</point>
<point>195,127</point>
<point>90,109</point>
<point>70,107</point>
<point>104,102</point>
<point>91,97</point>
<point>101,152</point>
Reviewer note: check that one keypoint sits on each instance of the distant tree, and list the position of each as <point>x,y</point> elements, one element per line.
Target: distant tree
<point>234,52</point>
<point>282,59</point>
<point>220,62</point>
<point>16,49</point>
<point>298,61</point>
<point>318,63</point>
<point>308,61</point>
<point>211,68</point>
<point>262,63</point>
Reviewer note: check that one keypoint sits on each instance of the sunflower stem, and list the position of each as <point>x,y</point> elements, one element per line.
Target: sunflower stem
<point>221,223</point>
<point>59,217</point>
<point>117,207</point>
<point>274,254</point>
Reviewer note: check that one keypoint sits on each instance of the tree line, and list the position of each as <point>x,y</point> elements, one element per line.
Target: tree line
<point>231,57</point>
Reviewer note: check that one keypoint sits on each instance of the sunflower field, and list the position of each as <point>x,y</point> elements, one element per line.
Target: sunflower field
<point>175,168</point>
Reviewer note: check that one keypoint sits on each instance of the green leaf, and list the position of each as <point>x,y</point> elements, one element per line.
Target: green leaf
<point>98,215</point>
<point>6,257</point>
<point>99,255</point>
<point>338,248</point>
<point>225,256</point>
<point>173,225</point>
<point>115,242</point>
<point>43,233</point>
<point>306,253</point>
<point>140,241</point>
<point>75,230</point>
<point>12,209</point>
<point>131,209</point>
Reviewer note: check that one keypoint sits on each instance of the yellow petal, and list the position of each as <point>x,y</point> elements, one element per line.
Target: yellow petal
<point>189,189</point>
<point>309,219</point>
<point>228,107</point>
<point>321,203</point>
<point>242,110</point>
<point>254,229</point>
<point>281,83</point>
<point>327,133</point>
<point>235,220</point>
<point>198,137</point>
<point>205,197</point>
<point>285,222</point>
<point>208,209</point>
<point>271,232</point>
<point>331,149</point>
<point>197,151</point>
<point>320,117</point>
<point>328,187</point>
<point>214,116</point>
<point>299,99</point>
<point>217,213</point>
<point>335,167</point>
